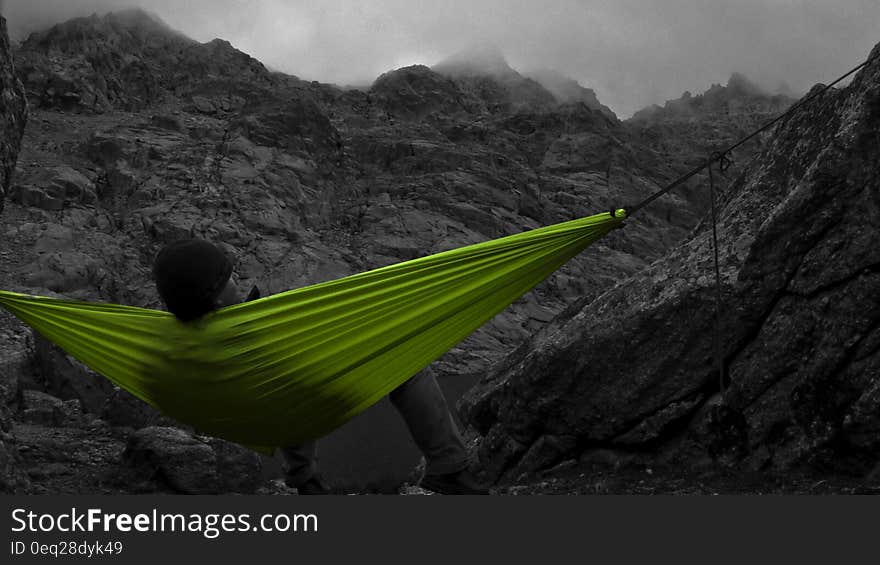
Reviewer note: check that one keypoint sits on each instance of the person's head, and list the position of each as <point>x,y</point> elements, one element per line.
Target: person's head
<point>194,277</point>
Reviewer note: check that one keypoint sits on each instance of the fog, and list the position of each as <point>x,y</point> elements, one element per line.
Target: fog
<point>631,52</point>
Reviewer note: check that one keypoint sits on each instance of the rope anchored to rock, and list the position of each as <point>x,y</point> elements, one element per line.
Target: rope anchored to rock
<point>723,160</point>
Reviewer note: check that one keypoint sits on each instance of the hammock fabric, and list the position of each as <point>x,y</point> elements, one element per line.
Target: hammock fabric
<point>296,365</point>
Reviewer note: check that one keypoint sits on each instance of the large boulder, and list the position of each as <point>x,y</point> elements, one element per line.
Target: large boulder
<point>45,409</point>
<point>13,113</point>
<point>296,124</point>
<point>634,370</point>
<point>416,91</point>
<point>191,464</point>
<point>54,188</point>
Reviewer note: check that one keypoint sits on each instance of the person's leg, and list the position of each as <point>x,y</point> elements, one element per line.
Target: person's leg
<point>422,405</point>
<point>300,468</point>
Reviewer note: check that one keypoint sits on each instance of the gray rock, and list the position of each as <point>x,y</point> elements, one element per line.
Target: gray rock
<point>35,197</point>
<point>69,185</point>
<point>47,410</point>
<point>36,400</point>
<point>106,149</point>
<point>64,272</point>
<point>203,105</point>
<point>169,122</point>
<point>192,465</point>
<point>83,459</point>
<point>238,469</point>
<point>54,238</point>
<point>185,463</point>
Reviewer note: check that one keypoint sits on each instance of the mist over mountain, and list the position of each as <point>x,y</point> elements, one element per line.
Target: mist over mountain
<point>478,60</point>
<point>739,95</point>
<point>632,54</point>
<point>568,90</point>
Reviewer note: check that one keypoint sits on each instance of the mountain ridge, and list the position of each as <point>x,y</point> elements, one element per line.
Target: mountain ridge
<point>738,92</point>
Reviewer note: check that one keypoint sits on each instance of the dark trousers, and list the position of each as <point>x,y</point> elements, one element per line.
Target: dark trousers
<point>423,407</point>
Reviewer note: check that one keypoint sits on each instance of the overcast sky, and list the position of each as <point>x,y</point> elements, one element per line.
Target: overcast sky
<point>632,52</point>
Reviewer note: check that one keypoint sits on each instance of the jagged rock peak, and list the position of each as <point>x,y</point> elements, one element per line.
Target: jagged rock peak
<point>130,60</point>
<point>483,70</point>
<point>738,91</point>
<point>135,22</point>
<point>410,71</point>
<point>739,83</point>
<point>567,90</point>
<point>416,91</point>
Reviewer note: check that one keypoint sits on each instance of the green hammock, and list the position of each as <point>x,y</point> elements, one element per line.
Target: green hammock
<point>294,366</point>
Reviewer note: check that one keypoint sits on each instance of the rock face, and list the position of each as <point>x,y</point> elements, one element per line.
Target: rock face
<point>129,60</point>
<point>739,97</point>
<point>567,90</point>
<point>13,113</point>
<point>482,70</point>
<point>55,188</point>
<point>633,371</point>
<point>192,465</point>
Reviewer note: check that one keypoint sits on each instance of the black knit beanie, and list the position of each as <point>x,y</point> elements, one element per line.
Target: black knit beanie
<point>189,275</point>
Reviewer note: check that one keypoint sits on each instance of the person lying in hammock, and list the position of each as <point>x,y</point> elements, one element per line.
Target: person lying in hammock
<point>194,277</point>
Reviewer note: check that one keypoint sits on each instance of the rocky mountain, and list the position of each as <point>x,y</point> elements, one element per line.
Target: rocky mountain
<point>130,60</point>
<point>697,125</point>
<point>740,97</point>
<point>567,90</point>
<point>139,136</point>
<point>629,378</point>
<point>483,72</point>
<point>688,130</point>
<point>483,69</point>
